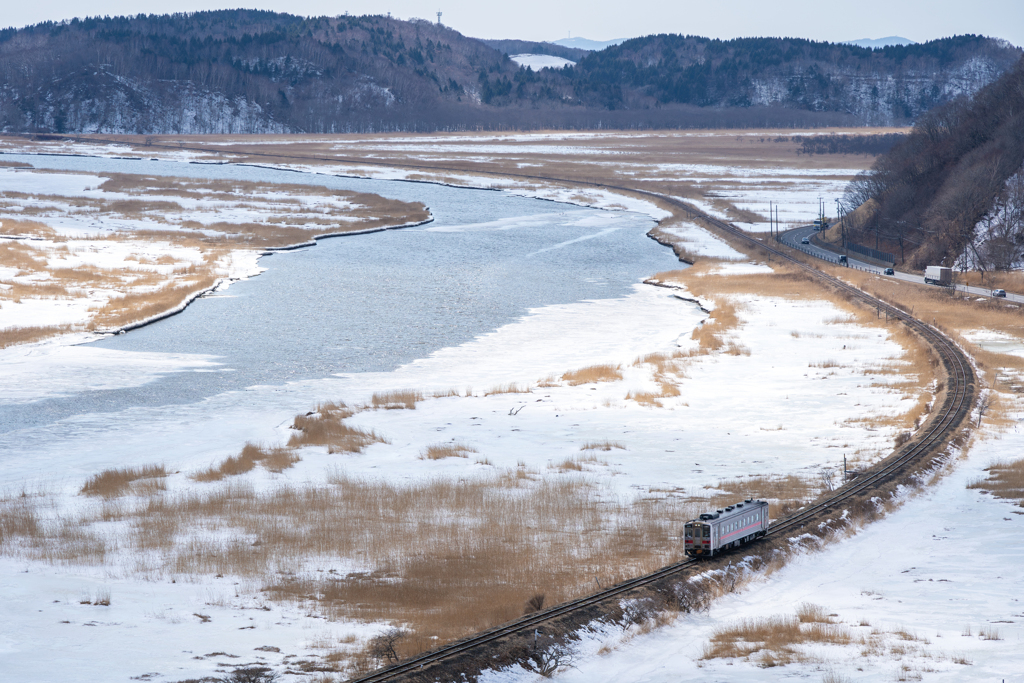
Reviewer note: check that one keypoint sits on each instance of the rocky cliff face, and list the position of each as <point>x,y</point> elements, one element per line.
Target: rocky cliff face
<point>880,99</point>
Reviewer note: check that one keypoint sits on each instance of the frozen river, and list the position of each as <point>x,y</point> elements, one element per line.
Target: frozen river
<point>367,303</point>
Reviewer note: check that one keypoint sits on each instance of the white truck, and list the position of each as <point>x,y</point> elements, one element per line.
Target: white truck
<point>938,275</point>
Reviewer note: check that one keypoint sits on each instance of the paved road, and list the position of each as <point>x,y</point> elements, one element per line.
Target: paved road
<point>792,238</point>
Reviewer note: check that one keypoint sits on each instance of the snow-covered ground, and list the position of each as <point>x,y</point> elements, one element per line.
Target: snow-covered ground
<point>802,390</point>
<point>538,62</point>
<point>800,420</point>
<point>932,592</point>
<point>699,242</point>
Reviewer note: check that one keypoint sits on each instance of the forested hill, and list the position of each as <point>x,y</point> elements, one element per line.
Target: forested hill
<point>889,85</point>
<point>234,71</point>
<point>952,192</point>
<point>248,71</point>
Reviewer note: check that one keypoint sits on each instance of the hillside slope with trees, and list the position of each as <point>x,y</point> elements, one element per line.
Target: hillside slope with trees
<point>884,86</point>
<point>249,71</point>
<point>952,191</point>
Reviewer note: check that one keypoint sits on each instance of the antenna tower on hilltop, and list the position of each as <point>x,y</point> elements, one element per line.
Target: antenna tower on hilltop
<point>438,17</point>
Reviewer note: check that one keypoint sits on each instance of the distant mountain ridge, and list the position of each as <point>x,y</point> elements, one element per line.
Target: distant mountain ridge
<point>587,44</point>
<point>250,71</point>
<point>880,42</point>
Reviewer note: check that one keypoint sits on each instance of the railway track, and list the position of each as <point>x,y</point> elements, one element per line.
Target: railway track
<point>949,417</point>
<point>946,422</point>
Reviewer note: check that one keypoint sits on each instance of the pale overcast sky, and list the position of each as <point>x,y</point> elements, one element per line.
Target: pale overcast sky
<point>833,20</point>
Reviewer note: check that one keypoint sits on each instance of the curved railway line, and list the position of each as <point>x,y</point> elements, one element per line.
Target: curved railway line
<point>959,400</point>
<point>928,444</point>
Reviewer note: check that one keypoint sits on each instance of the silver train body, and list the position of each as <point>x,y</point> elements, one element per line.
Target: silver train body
<point>713,532</point>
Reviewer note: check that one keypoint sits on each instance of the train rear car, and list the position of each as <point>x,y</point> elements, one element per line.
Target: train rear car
<point>713,532</point>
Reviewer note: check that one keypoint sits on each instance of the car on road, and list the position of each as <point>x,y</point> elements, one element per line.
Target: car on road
<point>890,271</point>
<point>1001,293</point>
<point>805,241</point>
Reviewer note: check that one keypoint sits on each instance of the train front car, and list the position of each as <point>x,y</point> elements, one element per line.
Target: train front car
<point>699,536</point>
<point>714,532</point>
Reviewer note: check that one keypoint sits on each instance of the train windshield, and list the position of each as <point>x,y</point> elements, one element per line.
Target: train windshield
<point>689,531</point>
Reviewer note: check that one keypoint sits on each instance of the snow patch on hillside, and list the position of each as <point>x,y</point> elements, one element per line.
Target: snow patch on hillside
<point>538,62</point>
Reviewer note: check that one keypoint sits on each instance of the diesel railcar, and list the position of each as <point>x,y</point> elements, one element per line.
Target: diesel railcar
<point>713,532</point>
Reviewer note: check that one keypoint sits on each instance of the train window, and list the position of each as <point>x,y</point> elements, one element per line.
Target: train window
<point>689,532</point>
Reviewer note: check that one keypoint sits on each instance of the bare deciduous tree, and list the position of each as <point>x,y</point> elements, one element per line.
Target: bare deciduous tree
<point>549,654</point>
<point>251,674</point>
<point>382,647</point>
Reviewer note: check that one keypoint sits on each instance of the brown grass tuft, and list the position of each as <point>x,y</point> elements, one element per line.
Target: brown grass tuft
<point>1005,480</point>
<point>601,446</point>
<point>644,398</point>
<point>118,482</point>
<point>9,336</point>
<point>593,373</point>
<point>272,458</point>
<point>510,388</point>
<point>326,427</point>
<point>809,613</point>
<point>397,399</point>
<point>774,638</point>
<point>439,451</point>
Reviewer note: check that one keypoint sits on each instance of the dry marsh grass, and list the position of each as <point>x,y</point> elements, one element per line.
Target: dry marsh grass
<point>577,463</point>
<point>10,336</point>
<point>397,399</point>
<point>809,613</point>
<point>447,557</point>
<point>645,398</point>
<point>135,306</point>
<point>712,334</point>
<point>326,427</point>
<point>592,374</point>
<point>18,228</point>
<point>785,493</point>
<point>1005,480</point>
<point>510,388</point>
<point>773,639</point>
<point>121,481</point>
<point>602,446</point>
<point>273,458</point>
<point>439,451</point>
<point>25,258</point>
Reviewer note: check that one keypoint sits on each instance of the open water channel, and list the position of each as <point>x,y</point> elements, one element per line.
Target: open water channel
<point>370,302</point>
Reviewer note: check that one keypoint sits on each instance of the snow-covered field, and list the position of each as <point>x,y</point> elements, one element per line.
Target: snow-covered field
<point>803,387</point>
<point>932,592</point>
<point>799,421</point>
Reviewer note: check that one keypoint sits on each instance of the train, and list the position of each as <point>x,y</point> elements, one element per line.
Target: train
<point>714,532</point>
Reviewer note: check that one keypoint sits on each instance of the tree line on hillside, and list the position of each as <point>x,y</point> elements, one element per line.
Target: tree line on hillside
<point>873,144</point>
<point>236,71</point>
<point>951,191</point>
